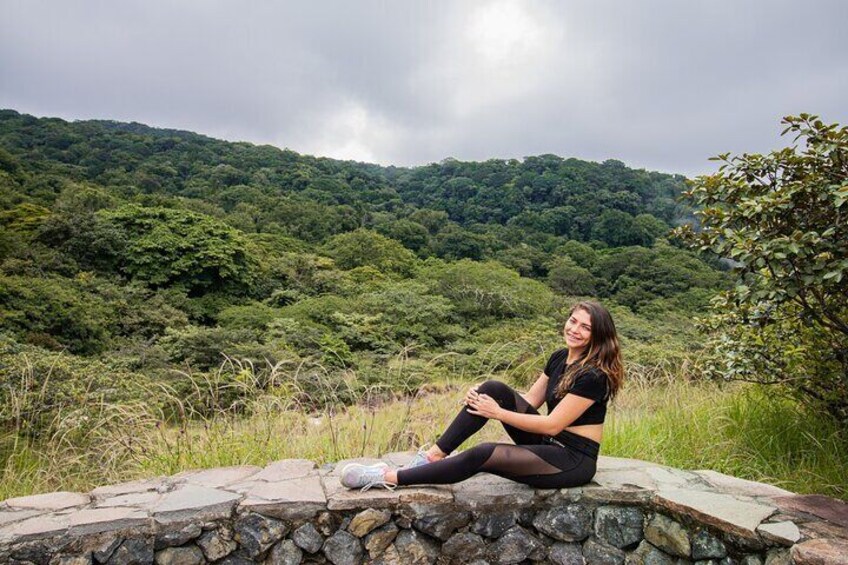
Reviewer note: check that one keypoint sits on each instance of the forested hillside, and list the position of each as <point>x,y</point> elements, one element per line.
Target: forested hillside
<point>141,254</point>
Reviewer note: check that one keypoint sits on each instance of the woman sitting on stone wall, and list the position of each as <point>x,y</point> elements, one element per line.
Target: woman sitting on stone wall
<point>556,450</point>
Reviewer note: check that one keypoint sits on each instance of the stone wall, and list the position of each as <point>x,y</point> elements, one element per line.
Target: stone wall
<point>292,512</point>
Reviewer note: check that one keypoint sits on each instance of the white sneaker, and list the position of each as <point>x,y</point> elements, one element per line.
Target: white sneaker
<point>357,475</point>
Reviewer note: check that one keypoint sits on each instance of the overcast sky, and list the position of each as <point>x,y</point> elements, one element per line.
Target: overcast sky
<point>661,85</point>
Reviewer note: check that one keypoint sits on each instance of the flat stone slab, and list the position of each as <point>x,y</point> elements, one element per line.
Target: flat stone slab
<point>674,478</point>
<point>98,520</point>
<point>824,507</point>
<point>821,552</point>
<point>12,516</point>
<point>822,529</point>
<point>159,484</point>
<point>285,469</point>
<point>287,500</point>
<point>194,502</point>
<point>50,501</point>
<point>608,463</point>
<point>734,485</point>
<point>485,490</point>
<point>726,512</point>
<point>145,500</point>
<point>625,478</point>
<point>219,477</point>
<point>785,533</point>
<point>38,527</point>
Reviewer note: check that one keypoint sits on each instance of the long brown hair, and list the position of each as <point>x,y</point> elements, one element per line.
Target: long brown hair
<point>603,351</point>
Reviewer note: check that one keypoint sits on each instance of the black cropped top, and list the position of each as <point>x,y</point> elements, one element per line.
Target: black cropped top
<point>590,383</point>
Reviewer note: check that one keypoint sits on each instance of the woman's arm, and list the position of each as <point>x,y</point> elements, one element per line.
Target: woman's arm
<point>568,410</point>
<point>536,395</point>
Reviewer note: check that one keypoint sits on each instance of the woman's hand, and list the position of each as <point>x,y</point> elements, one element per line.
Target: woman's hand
<point>470,395</point>
<point>484,405</point>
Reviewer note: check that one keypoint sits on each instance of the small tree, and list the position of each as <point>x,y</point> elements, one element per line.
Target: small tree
<point>782,218</point>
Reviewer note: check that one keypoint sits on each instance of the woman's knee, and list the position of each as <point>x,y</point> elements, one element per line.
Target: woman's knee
<point>495,389</point>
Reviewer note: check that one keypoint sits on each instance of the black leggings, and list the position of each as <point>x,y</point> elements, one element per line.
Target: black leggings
<point>567,460</point>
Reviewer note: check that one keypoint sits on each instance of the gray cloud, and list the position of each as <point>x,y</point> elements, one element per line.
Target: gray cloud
<point>659,84</point>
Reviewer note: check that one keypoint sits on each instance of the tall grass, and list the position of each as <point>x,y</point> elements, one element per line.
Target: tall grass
<point>244,414</point>
<point>742,430</point>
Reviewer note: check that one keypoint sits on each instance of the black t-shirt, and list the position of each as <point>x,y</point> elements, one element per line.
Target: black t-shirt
<point>590,383</point>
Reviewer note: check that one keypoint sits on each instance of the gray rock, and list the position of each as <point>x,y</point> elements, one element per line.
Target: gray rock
<point>493,525</point>
<point>72,560</point>
<point>619,526</point>
<point>778,556</point>
<point>414,548</point>
<point>133,552</point>
<point>368,520</point>
<point>284,553</point>
<point>388,557</point>
<point>647,554</point>
<point>668,535</point>
<point>598,553</point>
<point>307,538</point>
<point>707,546</point>
<point>464,547</point>
<point>751,560</point>
<point>566,554</point>
<point>441,526</point>
<point>175,537</point>
<point>515,546</point>
<point>525,517</point>
<point>377,541</point>
<point>343,548</point>
<point>102,553</point>
<point>38,552</point>
<point>217,544</point>
<point>189,555</point>
<point>256,533</point>
<point>327,523</point>
<point>237,558</point>
<point>572,523</point>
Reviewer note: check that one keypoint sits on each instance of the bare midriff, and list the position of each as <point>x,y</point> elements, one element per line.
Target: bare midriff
<point>590,431</point>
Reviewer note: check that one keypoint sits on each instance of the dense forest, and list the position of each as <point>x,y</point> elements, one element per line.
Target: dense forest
<point>131,255</point>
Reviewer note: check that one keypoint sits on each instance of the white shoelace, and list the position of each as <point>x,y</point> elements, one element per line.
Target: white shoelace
<point>382,483</point>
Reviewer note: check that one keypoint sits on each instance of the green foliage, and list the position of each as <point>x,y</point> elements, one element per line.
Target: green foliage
<point>364,247</point>
<point>634,276</point>
<point>566,277</point>
<point>42,392</point>
<point>55,313</point>
<point>481,292</point>
<point>202,348</point>
<point>167,247</point>
<point>411,234</point>
<point>781,218</point>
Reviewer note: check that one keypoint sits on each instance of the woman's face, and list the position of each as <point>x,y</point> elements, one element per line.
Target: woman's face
<point>578,330</point>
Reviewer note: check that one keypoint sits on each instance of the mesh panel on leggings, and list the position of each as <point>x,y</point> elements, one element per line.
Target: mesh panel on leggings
<point>517,461</point>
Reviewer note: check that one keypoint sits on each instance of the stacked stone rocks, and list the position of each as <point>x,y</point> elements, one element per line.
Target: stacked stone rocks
<point>291,512</point>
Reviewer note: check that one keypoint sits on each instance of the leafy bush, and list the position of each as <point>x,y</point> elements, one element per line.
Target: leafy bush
<point>781,218</point>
